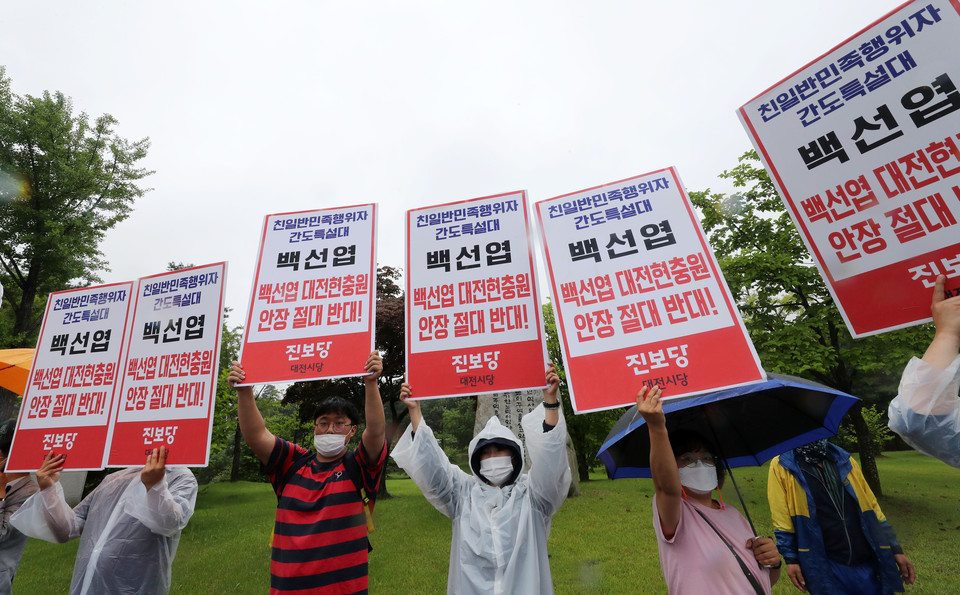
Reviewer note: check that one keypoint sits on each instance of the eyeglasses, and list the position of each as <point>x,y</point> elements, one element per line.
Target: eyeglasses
<point>340,427</point>
<point>689,459</point>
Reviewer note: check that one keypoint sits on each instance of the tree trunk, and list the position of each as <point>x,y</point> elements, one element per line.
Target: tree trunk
<point>237,444</point>
<point>868,460</point>
<point>583,468</point>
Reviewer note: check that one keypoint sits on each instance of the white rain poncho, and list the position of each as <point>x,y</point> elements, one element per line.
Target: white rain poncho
<point>128,536</point>
<point>499,543</point>
<point>926,410</point>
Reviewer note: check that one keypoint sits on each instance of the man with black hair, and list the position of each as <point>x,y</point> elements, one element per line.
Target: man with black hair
<point>15,488</point>
<point>501,517</point>
<point>320,535</point>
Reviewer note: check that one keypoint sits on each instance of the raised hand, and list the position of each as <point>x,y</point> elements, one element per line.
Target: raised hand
<point>155,468</point>
<point>374,367</point>
<point>650,406</point>
<point>236,375</point>
<point>49,472</point>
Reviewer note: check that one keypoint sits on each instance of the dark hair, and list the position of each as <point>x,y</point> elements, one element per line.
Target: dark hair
<point>6,436</point>
<point>684,441</point>
<point>337,406</point>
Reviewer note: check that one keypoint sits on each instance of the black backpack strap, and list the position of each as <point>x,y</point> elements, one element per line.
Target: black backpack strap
<point>746,571</point>
<point>296,466</point>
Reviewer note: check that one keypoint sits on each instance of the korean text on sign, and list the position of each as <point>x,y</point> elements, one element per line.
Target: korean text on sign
<point>638,296</point>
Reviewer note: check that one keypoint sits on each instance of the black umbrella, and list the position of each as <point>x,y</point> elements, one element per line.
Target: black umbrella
<point>749,424</point>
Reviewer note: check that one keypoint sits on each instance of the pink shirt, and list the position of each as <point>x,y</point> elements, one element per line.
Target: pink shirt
<point>695,560</point>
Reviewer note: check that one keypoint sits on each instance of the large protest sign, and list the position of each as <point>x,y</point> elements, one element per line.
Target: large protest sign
<point>313,302</point>
<point>862,145</point>
<point>169,378</point>
<point>474,323</point>
<point>638,296</point>
<point>67,404</point>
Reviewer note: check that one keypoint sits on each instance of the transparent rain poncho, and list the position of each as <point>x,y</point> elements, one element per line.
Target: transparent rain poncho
<point>500,535</point>
<point>926,410</point>
<point>128,536</point>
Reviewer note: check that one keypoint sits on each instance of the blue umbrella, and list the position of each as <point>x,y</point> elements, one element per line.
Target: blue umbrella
<point>750,424</point>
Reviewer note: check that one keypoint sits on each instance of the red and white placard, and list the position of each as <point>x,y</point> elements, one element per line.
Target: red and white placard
<point>474,323</point>
<point>169,379</point>
<point>862,145</point>
<point>313,302</point>
<point>638,296</point>
<point>67,404</point>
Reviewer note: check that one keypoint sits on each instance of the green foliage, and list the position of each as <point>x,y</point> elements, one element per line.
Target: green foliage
<point>587,431</point>
<point>601,542</point>
<point>452,422</point>
<point>64,181</point>
<point>880,434</point>
<point>786,307</point>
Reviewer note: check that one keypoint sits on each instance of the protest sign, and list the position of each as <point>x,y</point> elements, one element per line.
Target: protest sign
<point>313,302</point>
<point>862,145</point>
<point>76,366</point>
<point>638,296</point>
<point>169,378</point>
<point>474,323</point>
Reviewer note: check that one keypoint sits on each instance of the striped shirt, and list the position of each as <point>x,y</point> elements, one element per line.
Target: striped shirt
<point>320,534</point>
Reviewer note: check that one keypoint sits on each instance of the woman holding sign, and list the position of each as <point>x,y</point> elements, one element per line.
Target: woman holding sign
<point>704,546</point>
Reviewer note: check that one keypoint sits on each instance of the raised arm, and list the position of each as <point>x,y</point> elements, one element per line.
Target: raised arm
<point>169,498</point>
<point>413,407</point>
<point>663,465</point>
<point>375,432</point>
<point>550,396</point>
<point>946,318</point>
<point>252,426</point>
<point>46,515</point>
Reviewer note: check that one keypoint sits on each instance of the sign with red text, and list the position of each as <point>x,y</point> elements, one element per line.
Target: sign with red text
<point>474,323</point>
<point>638,296</point>
<point>862,145</point>
<point>169,377</point>
<point>313,303</point>
<point>76,367</point>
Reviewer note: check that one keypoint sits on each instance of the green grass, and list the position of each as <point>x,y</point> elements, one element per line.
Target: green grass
<point>602,542</point>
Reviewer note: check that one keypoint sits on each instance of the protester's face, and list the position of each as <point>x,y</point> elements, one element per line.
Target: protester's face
<point>495,450</point>
<point>334,424</point>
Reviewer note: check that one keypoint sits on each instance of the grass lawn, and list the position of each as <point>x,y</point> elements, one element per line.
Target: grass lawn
<point>602,542</point>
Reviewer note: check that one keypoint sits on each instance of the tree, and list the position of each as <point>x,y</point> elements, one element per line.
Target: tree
<point>64,181</point>
<point>586,431</point>
<point>791,317</point>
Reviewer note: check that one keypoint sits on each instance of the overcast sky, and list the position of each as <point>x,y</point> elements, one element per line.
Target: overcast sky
<point>264,107</point>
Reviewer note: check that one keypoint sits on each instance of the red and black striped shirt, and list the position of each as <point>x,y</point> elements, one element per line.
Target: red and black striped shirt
<point>320,534</point>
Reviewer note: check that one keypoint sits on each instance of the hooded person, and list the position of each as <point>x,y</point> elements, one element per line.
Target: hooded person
<point>501,516</point>
<point>129,526</point>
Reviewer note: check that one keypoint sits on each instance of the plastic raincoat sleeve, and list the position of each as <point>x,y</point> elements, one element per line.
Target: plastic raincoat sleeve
<point>421,457</point>
<point>47,516</point>
<point>926,410</point>
<point>167,507</point>
<point>780,514</point>
<point>549,467</point>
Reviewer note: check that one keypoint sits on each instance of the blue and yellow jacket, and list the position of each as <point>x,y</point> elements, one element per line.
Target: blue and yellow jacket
<point>798,535</point>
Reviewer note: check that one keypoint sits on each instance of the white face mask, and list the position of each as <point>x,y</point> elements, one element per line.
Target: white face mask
<point>497,470</point>
<point>330,445</point>
<point>699,477</point>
